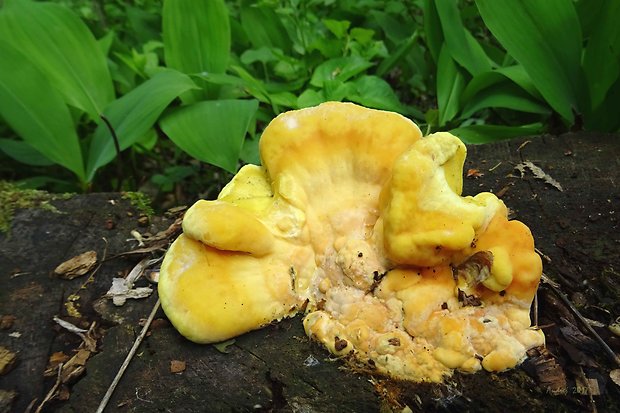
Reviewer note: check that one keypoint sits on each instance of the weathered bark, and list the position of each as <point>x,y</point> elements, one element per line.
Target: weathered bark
<point>278,368</point>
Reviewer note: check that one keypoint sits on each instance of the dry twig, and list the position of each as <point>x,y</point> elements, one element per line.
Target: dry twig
<point>132,352</point>
<point>50,394</point>
<point>555,288</point>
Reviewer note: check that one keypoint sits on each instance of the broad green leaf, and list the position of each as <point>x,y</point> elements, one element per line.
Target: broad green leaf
<point>339,28</point>
<point>134,114</point>
<point>196,35</point>
<point>310,97</point>
<point>374,92</point>
<point>250,152</point>
<point>340,68</point>
<point>476,134</point>
<point>480,82</point>
<point>144,25</point>
<point>272,93</point>
<point>50,183</point>
<point>601,60</point>
<point>211,131</point>
<point>590,14</point>
<point>600,119</point>
<point>173,175</point>
<point>264,28</point>
<point>517,74</point>
<point>286,99</point>
<point>221,79</point>
<point>254,86</point>
<point>361,35</point>
<point>63,48</point>
<point>503,95</point>
<point>105,42</point>
<point>461,44</point>
<point>147,141</point>
<point>544,37</point>
<point>22,152</point>
<point>394,58</point>
<point>395,30</point>
<point>335,90</point>
<point>263,55</point>
<point>36,110</point>
<point>450,85</point>
<point>432,29</point>
<point>485,80</point>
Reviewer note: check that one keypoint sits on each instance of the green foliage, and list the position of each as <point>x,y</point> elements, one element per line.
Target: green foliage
<point>548,71</point>
<point>134,114</point>
<point>225,120</point>
<point>37,111</point>
<point>194,81</point>
<point>57,82</point>
<point>58,43</point>
<point>545,38</point>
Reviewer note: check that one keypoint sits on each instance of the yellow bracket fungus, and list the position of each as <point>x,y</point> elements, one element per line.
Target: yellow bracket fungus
<point>359,221</point>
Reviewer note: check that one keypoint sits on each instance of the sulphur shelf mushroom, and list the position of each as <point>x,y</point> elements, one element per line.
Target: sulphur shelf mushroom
<point>359,221</point>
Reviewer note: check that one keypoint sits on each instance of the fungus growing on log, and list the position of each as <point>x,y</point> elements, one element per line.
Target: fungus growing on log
<point>359,221</point>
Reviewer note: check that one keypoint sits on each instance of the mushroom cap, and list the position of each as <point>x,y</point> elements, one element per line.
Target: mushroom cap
<point>208,302</point>
<point>358,219</point>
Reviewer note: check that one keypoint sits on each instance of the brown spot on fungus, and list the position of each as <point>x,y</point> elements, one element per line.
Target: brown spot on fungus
<point>340,344</point>
<point>394,341</point>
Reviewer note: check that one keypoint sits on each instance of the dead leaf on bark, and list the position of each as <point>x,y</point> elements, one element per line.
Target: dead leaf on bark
<point>548,372</point>
<point>7,360</point>
<point>615,376</point>
<point>177,366</point>
<point>63,394</point>
<point>89,341</point>
<point>74,368</point>
<point>223,347</point>
<point>6,321</point>
<point>54,361</point>
<point>77,266</point>
<point>123,288</point>
<point>151,243</point>
<point>474,173</point>
<point>615,327</point>
<point>538,174</point>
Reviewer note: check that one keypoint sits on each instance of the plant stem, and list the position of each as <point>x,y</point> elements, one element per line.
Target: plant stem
<point>119,160</point>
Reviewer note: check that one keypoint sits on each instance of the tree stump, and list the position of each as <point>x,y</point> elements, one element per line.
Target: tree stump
<point>565,188</point>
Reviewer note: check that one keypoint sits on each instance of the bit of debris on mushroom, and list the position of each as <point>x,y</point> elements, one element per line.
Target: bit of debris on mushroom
<point>357,220</point>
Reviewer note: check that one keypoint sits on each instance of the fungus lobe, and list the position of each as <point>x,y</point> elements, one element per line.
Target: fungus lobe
<point>391,263</point>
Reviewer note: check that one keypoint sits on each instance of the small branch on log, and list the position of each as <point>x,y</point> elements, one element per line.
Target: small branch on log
<point>52,391</point>
<point>613,356</point>
<point>132,352</point>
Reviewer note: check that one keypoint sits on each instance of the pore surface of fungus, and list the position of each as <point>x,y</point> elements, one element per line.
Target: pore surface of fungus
<point>357,220</point>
